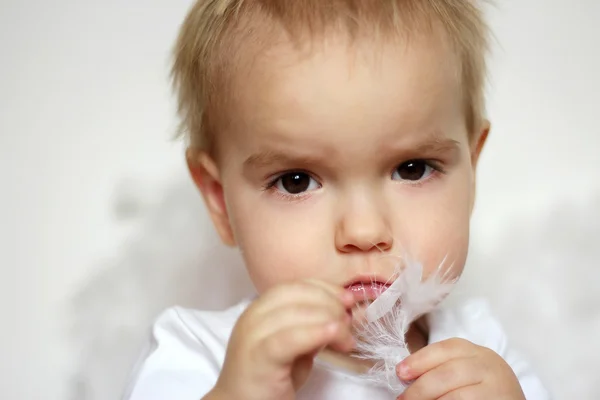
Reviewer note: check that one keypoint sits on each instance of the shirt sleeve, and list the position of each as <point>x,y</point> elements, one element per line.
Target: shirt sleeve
<point>178,364</point>
<point>530,383</point>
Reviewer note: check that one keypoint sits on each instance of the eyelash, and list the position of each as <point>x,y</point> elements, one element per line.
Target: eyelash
<point>271,184</point>
<point>436,166</point>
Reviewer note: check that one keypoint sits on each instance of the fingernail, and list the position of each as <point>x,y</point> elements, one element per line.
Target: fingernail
<point>347,297</point>
<point>331,327</point>
<point>403,371</point>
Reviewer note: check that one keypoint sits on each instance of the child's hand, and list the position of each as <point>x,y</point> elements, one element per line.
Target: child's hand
<point>458,369</point>
<point>271,350</point>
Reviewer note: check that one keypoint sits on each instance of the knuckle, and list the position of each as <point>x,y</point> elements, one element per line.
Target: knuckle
<point>284,343</point>
<point>309,281</point>
<point>322,286</point>
<point>249,321</point>
<point>242,323</point>
<point>489,354</point>
<point>458,342</point>
<point>487,367</point>
<point>255,354</point>
<point>288,289</point>
<point>415,392</point>
<point>448,375</point>
<point>272,345</point>
<point>284,290</point>
<point>312,284</point>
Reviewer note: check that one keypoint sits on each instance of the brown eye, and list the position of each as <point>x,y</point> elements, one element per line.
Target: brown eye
<point>296,183</point>
<point>413,170</point>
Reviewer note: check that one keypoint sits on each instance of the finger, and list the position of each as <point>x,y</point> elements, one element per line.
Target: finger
<point>346,297</point>
<point>298,315</point>
<point>302,369</point>
<point>300,292</point>
<point>432,356</point>
<point>446,378</point>
<point>344,341</point>
<point>302,300</point>
<point>287,345</point>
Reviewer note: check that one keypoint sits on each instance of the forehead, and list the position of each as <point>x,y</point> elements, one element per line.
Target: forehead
<point>334,83</point>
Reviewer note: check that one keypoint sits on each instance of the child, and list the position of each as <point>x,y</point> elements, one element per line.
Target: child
<point>323,133</point>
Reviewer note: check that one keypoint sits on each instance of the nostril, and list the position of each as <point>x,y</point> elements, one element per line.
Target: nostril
<point>379,247</point>
<point>351,248</point>
<point>362,238</point>
<point>382,246</point>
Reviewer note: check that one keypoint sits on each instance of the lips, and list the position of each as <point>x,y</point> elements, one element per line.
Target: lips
<point>366,290</point>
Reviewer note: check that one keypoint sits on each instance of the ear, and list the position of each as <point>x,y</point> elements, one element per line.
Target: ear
<point>476,148</point>
<point>479,142</point>
<point>206,176</point>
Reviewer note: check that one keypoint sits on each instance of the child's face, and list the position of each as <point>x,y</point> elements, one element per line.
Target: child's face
<point>332,158</point>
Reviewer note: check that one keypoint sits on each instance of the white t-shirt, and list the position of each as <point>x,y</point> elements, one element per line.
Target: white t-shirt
<point>187,349</point>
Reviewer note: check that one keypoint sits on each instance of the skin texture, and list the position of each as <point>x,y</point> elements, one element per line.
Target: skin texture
<point>271,351</point>
<point>374,137</point>
<point>457,369</point>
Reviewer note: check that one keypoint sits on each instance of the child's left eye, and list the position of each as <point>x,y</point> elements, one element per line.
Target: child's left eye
<point>413,170</point>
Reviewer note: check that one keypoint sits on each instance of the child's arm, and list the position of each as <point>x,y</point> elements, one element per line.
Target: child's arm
<point>269,352</point>
<point>458,369</point>
<point>482,357</point>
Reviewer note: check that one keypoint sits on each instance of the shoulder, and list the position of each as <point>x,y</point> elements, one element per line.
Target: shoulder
<point>470,319</point>
<point>184,354</point>
<point>198,328</point>
<point>474,320</point>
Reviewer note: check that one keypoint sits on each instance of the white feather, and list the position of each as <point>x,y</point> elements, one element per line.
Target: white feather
<point>382,338</point>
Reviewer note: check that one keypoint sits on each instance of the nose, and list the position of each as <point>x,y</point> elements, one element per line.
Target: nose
<point>363,229</point>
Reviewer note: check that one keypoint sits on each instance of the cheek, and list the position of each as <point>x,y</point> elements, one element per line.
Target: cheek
<point>438,229</point>
<point>442,245</point>
<point>278,242</point>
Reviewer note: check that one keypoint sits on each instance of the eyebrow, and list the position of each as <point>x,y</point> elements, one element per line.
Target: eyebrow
<point>438,145</point>
<point>270,157</point>
<point>432,143</point>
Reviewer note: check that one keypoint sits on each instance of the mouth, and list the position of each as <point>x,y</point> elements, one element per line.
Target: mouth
<point>366,290</point>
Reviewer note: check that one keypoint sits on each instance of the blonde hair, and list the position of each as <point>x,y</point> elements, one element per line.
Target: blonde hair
<point>207,42</point>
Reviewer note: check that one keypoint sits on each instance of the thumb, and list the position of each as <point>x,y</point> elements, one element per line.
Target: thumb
<point>301,370</point>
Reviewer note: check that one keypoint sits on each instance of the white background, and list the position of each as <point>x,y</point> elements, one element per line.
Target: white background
<point>85,102</point>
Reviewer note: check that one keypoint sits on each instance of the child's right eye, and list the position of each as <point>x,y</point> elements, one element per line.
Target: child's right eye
<point>414,170</point>
<point>295,183</point>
